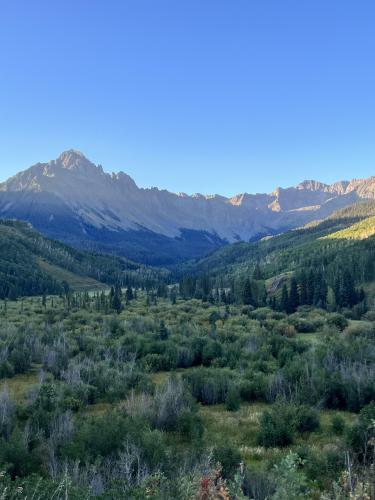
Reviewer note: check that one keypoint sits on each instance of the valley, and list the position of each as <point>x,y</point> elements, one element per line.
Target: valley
<point>247,372</point>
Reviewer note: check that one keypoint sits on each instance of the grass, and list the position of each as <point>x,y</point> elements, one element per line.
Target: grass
<point>19,385</point>
<point>311,338</point>
<point>240,429</point>
<point>76,282</point>
<point>98,409</point>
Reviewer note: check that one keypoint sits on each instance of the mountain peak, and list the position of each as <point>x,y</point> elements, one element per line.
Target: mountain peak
<point>73,160</point>
<point>312,185</point>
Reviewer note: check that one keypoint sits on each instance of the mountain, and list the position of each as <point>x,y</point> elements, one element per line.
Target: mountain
<point>329,264</point>
<point>75,201</point>
<point>31,264</point>
<point>344,241</point>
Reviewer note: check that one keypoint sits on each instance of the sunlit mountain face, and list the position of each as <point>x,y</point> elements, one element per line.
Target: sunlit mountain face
<point>76,201</point>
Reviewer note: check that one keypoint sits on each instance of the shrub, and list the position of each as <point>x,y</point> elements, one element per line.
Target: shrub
<point>303,325</point>
<point>171,401</point>
<point>189,425</point>
<point>209,386</point>
<point>233,401</point>
<point>277,426</point>
<point>307,419</point>
<point>360,329</point>
<point>229,458</point>
<point>285,329</point>
<point>338,425</point>
<point>338,321</point>
<point>362,434</point>
<point>254,389</point>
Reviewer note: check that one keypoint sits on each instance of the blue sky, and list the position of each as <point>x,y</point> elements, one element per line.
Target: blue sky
<point>191,95</point>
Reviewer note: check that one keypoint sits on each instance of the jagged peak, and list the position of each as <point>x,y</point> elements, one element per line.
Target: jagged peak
<point>71,153</point>
<point>312,185</point>
<point>72,159</point>
<point>123,179</point>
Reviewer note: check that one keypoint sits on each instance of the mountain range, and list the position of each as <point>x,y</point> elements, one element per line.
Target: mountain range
<point>73,200</point>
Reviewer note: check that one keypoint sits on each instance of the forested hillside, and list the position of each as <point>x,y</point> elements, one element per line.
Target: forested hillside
<point>327,264</point>
<point>271,251</point>
<point>31,264</point>
<point>251,378</point>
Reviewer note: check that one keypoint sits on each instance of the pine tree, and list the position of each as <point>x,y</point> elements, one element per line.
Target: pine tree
<point>173,296</point>
<point>284,300</point>
<point>257,274</point>
<point>129,294</point>
<point>310,288</point>
<point>348,293</point>
<point>116,300</point>
<point>293,301</point>
<point>247,294</point>
<point>331,300</point>
<point>163,331</point>
<point>303,288</point>
<point>361,295</point>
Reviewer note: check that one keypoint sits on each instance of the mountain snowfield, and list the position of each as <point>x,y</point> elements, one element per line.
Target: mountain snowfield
<point>74,200</point>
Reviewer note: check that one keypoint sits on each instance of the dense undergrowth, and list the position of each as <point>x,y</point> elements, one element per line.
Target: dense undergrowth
<point>168,398</point>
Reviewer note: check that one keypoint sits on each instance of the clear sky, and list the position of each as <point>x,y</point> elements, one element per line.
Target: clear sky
<point>216,96</point>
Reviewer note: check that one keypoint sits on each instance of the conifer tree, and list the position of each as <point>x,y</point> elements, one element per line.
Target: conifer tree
<point>293,301</point>
<point>163,331</point>
<point>257,274</point>
<point>116,300</point>
<point>284,300</point>
<point>247,294</point>
<point>129,294</point>
<point>303,288</point>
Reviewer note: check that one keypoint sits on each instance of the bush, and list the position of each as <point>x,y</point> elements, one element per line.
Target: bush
<point>363,432</point>
<point>304,325</point>
<point>338,425</point>
<point>233,401</point>
<point>229,458</point>
<point>338,321</point>
<point>285,329</point>
<point>307,419</point>
<point>254,389</point>
<point>277,426</point>
<point>190,425</point>
<point>209,386</point>
<point>171,401</point>
<point>360,329</point>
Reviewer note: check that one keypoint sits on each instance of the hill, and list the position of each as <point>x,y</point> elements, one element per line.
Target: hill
<point>279,252</point>
<point>332,257</point>
<point>31,264</point>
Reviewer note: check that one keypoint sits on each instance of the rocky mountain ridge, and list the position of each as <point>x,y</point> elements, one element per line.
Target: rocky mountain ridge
<point>74,200</point>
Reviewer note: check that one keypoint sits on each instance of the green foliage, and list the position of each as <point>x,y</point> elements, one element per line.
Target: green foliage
<point>291,483</point>
<point>361,436</point>
<point>229,458</point>
<point>232,400</point>
<point>338,425</point>
<point>277,426</point>
<point>301,267</point>
<point>31,264</point>
<point>123,409</point>
<point>306,419</point>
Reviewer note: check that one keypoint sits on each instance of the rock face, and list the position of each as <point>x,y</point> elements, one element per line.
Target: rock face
<point>73,200</point>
